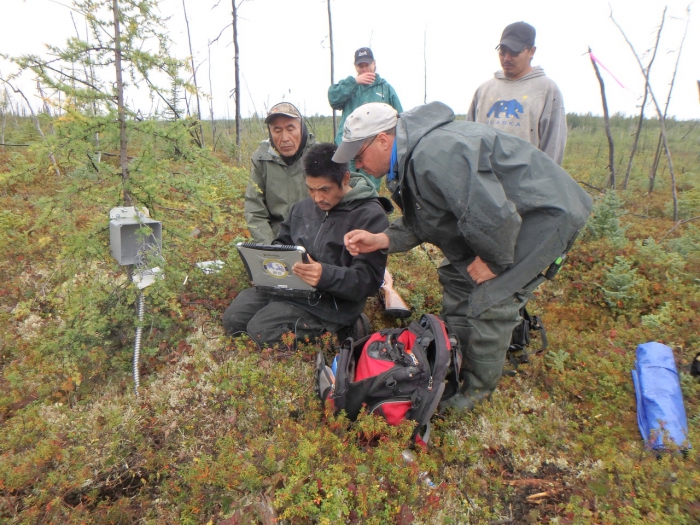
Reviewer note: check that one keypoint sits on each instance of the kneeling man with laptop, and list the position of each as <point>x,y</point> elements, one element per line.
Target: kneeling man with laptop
<point>336,283</point>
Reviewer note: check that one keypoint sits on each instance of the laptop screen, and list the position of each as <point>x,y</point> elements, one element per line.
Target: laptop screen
<point>269,266</point>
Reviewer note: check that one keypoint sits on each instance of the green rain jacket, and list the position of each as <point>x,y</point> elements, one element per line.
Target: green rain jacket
<point>472,190</point>
<point>347,95</point>
<point>273,189</point>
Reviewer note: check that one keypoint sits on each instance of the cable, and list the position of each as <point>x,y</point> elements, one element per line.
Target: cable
<point>147,251</point>
<point>246,333</point>
<point>137,343</point>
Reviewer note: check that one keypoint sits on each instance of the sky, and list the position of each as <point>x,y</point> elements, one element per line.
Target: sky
<point>285,51</point>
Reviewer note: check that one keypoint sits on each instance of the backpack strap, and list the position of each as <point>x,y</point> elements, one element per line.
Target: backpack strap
<point>517,350</point>
<point>439,353</point>
<point>424,426</point>
<point>536,324</point>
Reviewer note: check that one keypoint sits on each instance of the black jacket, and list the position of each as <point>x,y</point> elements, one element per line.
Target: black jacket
<point>346,281</point>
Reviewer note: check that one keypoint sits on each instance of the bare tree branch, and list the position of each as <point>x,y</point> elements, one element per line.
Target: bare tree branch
<point>36,122</point>
<point>679,223</point>
<point>644,101</point>
<point>662,122</point>
<point>220,33</point>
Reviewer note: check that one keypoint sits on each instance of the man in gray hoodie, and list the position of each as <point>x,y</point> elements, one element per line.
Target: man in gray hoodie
<point>520,99</point>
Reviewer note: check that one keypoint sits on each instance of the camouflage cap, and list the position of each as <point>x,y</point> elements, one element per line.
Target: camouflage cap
<point>283,108</point>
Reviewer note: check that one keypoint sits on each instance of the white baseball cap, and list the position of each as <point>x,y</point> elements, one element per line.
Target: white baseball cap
<point>366,121</point>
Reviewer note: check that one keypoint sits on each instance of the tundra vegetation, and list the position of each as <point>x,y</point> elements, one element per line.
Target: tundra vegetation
<point>223,432</point>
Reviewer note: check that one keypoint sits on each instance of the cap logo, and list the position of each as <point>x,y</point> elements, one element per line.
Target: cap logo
<point>362,54</point>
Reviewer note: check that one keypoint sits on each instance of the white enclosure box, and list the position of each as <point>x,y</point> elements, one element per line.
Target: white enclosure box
<point>126,240</point>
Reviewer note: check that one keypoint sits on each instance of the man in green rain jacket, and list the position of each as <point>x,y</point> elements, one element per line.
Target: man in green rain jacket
<point>351,92</point>
<point>277,177</point>
<point>501,211</point>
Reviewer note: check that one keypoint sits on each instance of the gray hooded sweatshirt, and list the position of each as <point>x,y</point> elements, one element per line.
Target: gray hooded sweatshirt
<point>474,191</point>
<point>531,108</point>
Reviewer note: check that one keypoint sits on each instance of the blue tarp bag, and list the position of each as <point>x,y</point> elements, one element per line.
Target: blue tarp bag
<point>660,411</point>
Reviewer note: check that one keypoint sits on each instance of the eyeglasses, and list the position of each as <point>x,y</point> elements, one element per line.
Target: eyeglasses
<point>359,155</point>
<point>503,51</point>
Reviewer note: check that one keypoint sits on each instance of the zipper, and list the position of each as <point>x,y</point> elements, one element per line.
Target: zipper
<point>388,402</point>
<point>319,230</point>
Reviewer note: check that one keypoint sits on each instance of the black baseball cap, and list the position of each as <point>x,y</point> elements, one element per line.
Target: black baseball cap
<point>518,36</point>
<point>364,54</point>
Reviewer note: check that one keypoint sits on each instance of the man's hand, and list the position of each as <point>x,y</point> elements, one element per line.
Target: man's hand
<point>365,78</point>
<point>479,271</point>
<point>361,241</point>
<point>309,272</point>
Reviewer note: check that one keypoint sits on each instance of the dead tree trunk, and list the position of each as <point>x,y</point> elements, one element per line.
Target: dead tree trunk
<point>4,122</point>
<point>90,77</point>
<point>606,118</point>
<point>330,39</point>
<point>662,116</point>
<point>644,101</point>
<point>47,108</point>
<point>636,135</point>
<point>237,88</point>
<point>194,79</point>
<point>121,117</point>
<point>668,101</point>
<point>5,104</point>
<point>211,104</point>
<point>655,165</point>
<point>36,123</point>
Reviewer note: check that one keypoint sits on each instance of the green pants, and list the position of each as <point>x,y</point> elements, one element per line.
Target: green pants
<point>484,339</point>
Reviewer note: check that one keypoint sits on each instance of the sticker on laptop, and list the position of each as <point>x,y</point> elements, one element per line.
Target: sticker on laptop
<point>276,268</point>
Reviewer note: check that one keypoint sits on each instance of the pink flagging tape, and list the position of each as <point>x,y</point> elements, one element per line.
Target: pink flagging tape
<point>593,57</point>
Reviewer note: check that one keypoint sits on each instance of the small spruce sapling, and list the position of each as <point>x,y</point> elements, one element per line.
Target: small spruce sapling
<point>605,219</point>
<point>619,284</point>
<point>557,360</point>
<point>661,319</point>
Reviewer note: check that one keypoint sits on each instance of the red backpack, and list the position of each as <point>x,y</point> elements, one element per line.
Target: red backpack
<point>398,373</point>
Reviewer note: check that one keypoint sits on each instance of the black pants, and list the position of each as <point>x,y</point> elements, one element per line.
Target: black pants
<point>267,320</point>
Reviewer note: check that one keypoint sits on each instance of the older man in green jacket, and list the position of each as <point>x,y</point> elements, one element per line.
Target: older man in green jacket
<point>351,92</point>
<point>277,176</point>
<point>502,212</point>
